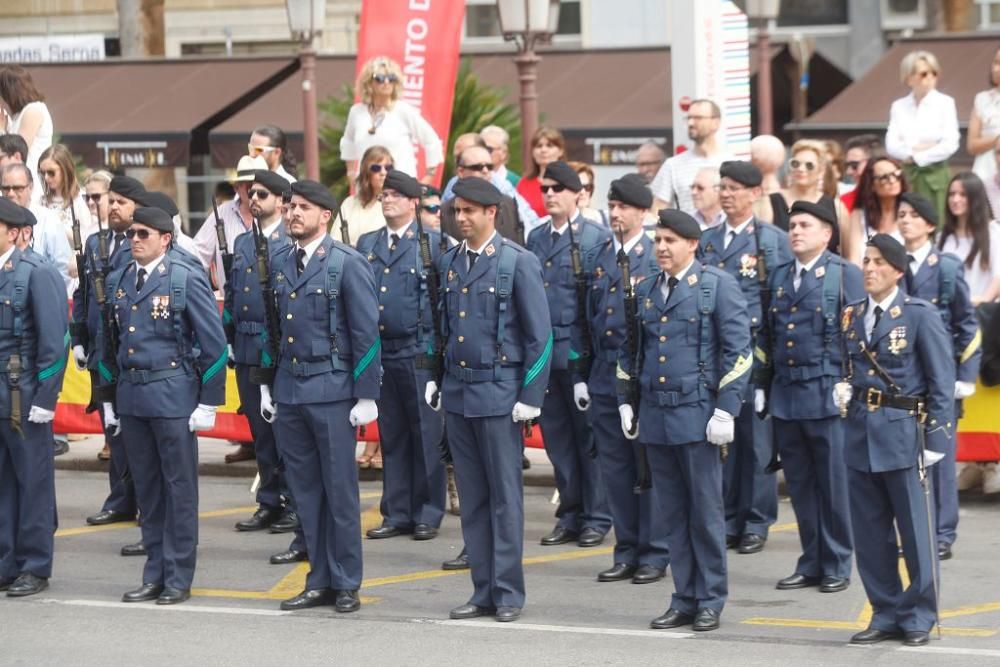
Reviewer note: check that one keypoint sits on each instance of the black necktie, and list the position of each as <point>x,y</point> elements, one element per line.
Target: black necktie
<point>802,276</point>
<point>300,260</point>
<point>909,273</point>
<point>140,279</point>
<point>671,284</point>
<point>119,240</point>
<point>555,237</point>
<point>473,256</point>
<point>393,240</point>
<point>878,316</point>
<point>730,237</point>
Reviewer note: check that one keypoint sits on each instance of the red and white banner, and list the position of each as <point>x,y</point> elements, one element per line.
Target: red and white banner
<point>423,36</point>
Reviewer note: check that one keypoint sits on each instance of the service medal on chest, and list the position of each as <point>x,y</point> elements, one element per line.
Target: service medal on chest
<point>897,340</point>
<point>748,265</point>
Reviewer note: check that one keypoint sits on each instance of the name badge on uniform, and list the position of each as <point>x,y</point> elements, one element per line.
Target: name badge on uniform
<point>748,265</point>
<point>692,279</point>
<point>161,307</point>
<point>931,259</point>
<point>897,340</point>
<point>490,250</point>
<point>820,272</point>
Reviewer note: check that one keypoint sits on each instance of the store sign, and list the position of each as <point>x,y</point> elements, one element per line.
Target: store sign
<point>51,48</point>
<point>126,154</point>
<point>611,151</point>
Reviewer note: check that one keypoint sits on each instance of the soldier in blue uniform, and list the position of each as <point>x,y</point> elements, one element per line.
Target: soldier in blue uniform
<point>34,344</point>
<point>693,367</point>
<point>171,358</point>
<point>583,514</point>
<point>326,385</point>
<point>497,358</point>
<point>805,352</point>
<point>899,404</point>
<point>413,494</point>
<point>940,278</point>
<point>747,249</point>
<point>641,552</point>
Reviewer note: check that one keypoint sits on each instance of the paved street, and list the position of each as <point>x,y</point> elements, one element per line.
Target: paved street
<point>569,617</point>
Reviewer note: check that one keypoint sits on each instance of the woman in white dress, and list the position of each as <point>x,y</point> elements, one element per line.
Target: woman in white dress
<point>984,126</point>
<point>24,112</point>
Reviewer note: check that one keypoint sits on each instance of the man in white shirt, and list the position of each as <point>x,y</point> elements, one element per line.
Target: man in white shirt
<point>49,240</point>
<point>672,185</point>
<point>705,196</point>
<point>269,142</point>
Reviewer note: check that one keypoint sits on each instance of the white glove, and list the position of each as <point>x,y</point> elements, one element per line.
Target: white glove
<point>842,393</point>
<point>203,418</point>
<point>80,357</point>
<point>112,424</point>
<point>721,428</point>
<point>628,421</point>
<point>232,355</point>
<point>268,410</point>
<point>581,396</point>
<point>365,411</point>
<point>524,413</point>
<point>432,396</point>
<point>759,400</point>
<point>964,389</point>
<point>39,415</point>
<point>931,457</point>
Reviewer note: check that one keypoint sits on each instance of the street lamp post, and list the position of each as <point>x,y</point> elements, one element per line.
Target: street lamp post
<point>528,23</point>
<point>764,11</point>
<point>306,19</point>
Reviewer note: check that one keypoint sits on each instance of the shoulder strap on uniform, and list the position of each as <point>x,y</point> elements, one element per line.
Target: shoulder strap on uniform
<point>366,244</point>
<point>832,289</point>
<point>178,302</point>
<point>334,273</point>
<point>766,244</point>
<point>589,235</point>
<point>707,287</point>
<point>19,300</point>
<point>506,265</point>
<point>949,274</point>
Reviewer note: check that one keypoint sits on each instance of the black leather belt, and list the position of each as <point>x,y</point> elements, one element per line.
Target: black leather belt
<point>873,399</point>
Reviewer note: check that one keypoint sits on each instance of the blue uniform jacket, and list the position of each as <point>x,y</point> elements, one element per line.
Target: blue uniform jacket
<point>243,311</point>
<point>678,396</point>
<point>806,356</point>
<point>85,306</point>
<point>484,379</point>
<point>314,367</point>
<point>908,343</point>
<point>44,339</point>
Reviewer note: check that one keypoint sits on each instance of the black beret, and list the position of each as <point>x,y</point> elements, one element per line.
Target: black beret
<point>631,189</point>
<point>11,214</point>
<point>563,174</point>
<point>154,217</point>
<point>160,201</point>
<point>316,193</point>
<point>921,205</point>
<point>741,172</point>
<point>127,187</point>
<point>823,209</point>
<point>477,190</point>
<point>29,218</point>
<point>891,249</point>
<point>275,183</point>
<point>402,183</point>
<point>430,191</point>
<point>680,222</point>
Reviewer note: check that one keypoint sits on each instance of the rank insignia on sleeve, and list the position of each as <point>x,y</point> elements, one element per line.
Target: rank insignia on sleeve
<point>820,272</point>
<point>931,259</point>
<point>321,251</point>
<point>895,312</point>
<point>845,318</point>
<point>692,279</point>
<point>490,250</point>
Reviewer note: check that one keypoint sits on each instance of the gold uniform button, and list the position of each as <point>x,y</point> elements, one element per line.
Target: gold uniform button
<point>131,350</point>
<point>291,339</point>
<point>790,343</point>
<point>871,371</point>
<point>131,329</point>
<point>292,295</point>
<point>791,325</point>
<point>794,309</point>
<point>381,327</point>
<point>246,308</point>
<point>288,316</point>
<point>383,288</point>
<point>663,339</point>
<point>386,271</point>
<point>461,313</point>
<point>663,319</point>
<point>465,290</point>
<point>462,364</point>
<point>662,379</point>
<point>663,359</point>
<point>246,289</point>
<point>608,332</point>
<point>461,339</point>
<point>134,308</point>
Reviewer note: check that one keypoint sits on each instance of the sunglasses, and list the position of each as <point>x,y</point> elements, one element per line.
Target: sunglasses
<point>891,177</point>
<point>481,166</point>
<point>12,188</point>
<point>432,208</point>
<point>926,74</point>
<point>853,165</point>
<point>259,150</point>
<point>141,234</point>
<point>384,78</point>
<point>589,187</point>
<point>800,164</point>
<point>377,168</point>
<point>96,197</point>
<point>558,187</point>
<point>259,194</point>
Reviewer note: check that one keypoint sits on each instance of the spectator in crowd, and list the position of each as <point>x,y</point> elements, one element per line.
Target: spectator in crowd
<point>270,143</point>
<point>14,149</point>
<point>430,208</point>
<point>24,112</point>
<point>382,119</point>
<point>923,129</point>
<point>767,153</point>
<point>224,191</point>
<point>474,162</point>
<point>705,195</point>
<point>857,150</point>
<point>362,211</point>
<point>672,185</point>
<point>463,141</point>
<point>586,174</point>
<point>833,155</point>
<point>881,183</point>
<point>648,160</point>
<point>983,136</point>
<point>547,146</point>
<point>972,233</point>
<point>60,189</point>
<point>806,180</point>
<point>498,143</point>
<point>48,237</point>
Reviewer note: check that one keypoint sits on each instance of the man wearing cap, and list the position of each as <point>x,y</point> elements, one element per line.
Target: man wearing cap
<point>641,554</point>
<point>245,320</point>
<point>583,515</point>
<point>475,162</point>
<point>805,353</point>
<point>747,249</point>
<point>33,350</point>
<point>499,346</point>
<point>326,385</point>
<point>171,378</point>
<point>940,278</point>
<point>899,401</point>
<point>693,368</point>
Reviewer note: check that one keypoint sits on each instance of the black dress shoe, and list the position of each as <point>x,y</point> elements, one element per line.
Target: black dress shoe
<point>288,523</point>
<point>617,572</point>
<point>423,531</point>
<point>797,581</point>
<point>525,462</point>
<point>144,593</point>
<point>508,614</point>
<point>944,551</point>
<point>751,544</point>
<point>27,584</point>
<point>915,638</point>
<point>559,536</point>
<point>137,549</point>
<point>732,541</point>
<point>873,636</point>
<point>59,447</point>
<point>346,601</point>
<point>705,620</point>
<point>105,517</point>
<point>834,584</point>
<point>316,597</point>
<point>384,531</point>
<point>261,519</point>
<point>671,619</point>
<point>470,611</point>
<point>647,574</point>
<point>290,556</point>
<point>461,562</point>
<point>172,595</point>
<point>590,537</point>
<point>5,583</point>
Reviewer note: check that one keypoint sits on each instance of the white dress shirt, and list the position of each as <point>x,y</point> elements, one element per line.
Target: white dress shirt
<point>799,267</point>
<point>933,120</point>
<point>665,288</point>
<point>919,256</point>
<point>147,267</point>
<point>733,232</point>
<point>399,233</point>
<point>885,304</point>
<point>310,248</point>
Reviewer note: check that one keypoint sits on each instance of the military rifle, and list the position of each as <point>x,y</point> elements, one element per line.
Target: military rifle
<point>631,383</point>
<point>79,329</point>
<point>220,233</point>
<point>582,364</point>
<point>264,374</point>
<point>106,393</point>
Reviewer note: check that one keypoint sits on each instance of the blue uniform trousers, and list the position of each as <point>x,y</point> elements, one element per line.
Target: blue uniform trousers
<point>812,454</point>
<point>640,529</point>
<point>751,495</point>
<point>487,454</point>
<point>317,443</point>
<point>122,495</point>
<point>688,483</point>
<point>944,491</point>
<point>163,459</point>
<point>27,500</point>
<point>568,440</point>
<point>413,477</point>
<point>272,483</point>
<point>881,504</point>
